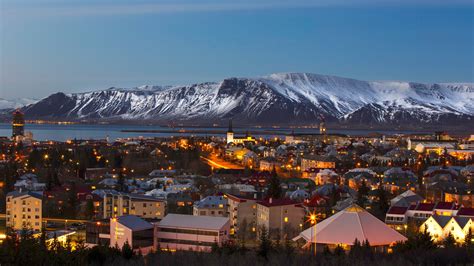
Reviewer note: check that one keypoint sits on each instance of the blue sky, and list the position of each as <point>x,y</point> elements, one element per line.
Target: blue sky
<point>52,45</point>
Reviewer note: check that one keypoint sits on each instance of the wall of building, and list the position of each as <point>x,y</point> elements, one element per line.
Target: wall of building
<point>24,211</point>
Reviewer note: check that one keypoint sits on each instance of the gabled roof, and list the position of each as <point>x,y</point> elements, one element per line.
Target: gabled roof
<point>442,220</point>
<point>194,222</point>
<point>134,223</point>
<point>350,224</point>
<point>462,221</point>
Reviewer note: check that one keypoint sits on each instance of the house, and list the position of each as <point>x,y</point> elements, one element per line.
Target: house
<point>461,196</point>
<point>325,176</point>
<point>319,162</point>
<point>397,216</point>
<point>29,182</point>
<point>348,225</point>
<point>133,230</point>
<point>24,210</point>
<point>421,211</point>
<point>397,178</point>
<point>211,206</point>
<point>406,199</point>
<point>241,210</point>
<point>439,227</point>
<point>268,164</point>
<point>189,232</point>
<point>427,145</point>
<point>434,147</point>
<point>162,173</point>
<point>282,215</point>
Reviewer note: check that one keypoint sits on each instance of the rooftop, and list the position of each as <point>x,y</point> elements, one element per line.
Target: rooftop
<point>397,210</point>
<point>277,202</point>
<point>16,194</point>
<point>195,222</point>
<point>134,223</point>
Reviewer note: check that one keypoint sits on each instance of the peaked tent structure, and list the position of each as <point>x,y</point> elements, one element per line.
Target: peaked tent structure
<point>344,227</point>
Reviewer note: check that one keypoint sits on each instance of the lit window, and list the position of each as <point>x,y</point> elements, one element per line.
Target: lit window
<point>286,219</point>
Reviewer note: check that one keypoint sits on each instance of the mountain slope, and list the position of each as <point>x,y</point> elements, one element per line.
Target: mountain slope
<point>278,98</point>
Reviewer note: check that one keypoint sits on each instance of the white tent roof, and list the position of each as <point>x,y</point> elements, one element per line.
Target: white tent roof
<point>350,224</point>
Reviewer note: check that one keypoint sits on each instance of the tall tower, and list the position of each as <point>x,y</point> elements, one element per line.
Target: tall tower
<point>230,133</point>
<point>18,124</point>
<point>322,125</point>
<point>322,128</point>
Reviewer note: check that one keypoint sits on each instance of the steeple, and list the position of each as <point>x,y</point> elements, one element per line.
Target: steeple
<point>230,133</point>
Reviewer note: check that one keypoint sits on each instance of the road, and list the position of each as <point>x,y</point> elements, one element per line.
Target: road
<point>58,220</point>
<point>219,163</point>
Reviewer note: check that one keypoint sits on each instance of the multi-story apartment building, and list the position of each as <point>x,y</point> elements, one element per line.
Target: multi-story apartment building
<point>24,210</point>
<point>211,206</point>
<point>279,214</point>
<point>118,204</point>
<point>241,209</point>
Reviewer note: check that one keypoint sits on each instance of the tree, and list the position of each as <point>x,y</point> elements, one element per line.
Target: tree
<point>121,186</point>
<point>469,240</point>
<point>339,251</point>
<point>72,199</point>
<point>90,209</point>
<point>274,188</point>
<point>242,232</point>
<point>265,245</point>
<point>449,241</point>
<point>127,252</point>
<point>362,194</point>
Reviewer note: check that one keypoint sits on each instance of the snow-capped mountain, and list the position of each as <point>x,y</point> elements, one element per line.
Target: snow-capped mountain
<point>278,98</point>
<point>15,103</point>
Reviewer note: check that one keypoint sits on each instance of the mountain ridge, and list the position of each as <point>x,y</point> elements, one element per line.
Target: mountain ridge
<point>285,98</point>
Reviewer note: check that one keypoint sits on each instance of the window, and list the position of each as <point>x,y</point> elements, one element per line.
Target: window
<point>286,219</point>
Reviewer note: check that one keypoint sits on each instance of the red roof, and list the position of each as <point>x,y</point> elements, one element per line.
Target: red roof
<point>425,207</point>
<point>466,212</point>
<point>445,205</point>
<point>397,210</point>
<point>277,202</point>
<point>316,201</point>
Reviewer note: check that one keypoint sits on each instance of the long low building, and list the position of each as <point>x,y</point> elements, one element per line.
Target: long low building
<point>185,232</point>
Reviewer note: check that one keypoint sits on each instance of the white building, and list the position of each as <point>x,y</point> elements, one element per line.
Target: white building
<point>211,206</point>
<point>188,232</point>
<point>130,229</point>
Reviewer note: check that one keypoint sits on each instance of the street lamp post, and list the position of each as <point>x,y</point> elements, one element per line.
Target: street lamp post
<point>312,218</point>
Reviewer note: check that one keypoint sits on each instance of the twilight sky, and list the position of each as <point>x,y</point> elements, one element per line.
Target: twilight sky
<point>48,46</point>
